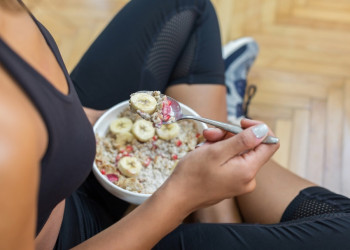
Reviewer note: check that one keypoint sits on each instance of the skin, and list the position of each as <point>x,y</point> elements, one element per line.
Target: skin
<point>209,101</point>
<point>232,161</point>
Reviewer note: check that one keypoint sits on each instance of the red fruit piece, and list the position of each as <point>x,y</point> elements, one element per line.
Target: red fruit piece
<point>112,177</point>
<point>103,171</point>
<point>154,146</point>
<point>166,118</point>
<point>129,148</point>
<point>179,143</point>
<point>166,109</point>
<point>174,157</point>
<point>147,162</point>
<point>118,157</point>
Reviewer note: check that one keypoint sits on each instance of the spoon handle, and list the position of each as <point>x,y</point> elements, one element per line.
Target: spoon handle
<point>227,127</point>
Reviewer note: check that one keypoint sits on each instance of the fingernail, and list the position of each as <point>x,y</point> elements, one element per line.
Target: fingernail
<point>260,130</point>
<point>200,144</point>
<point>271,140</point>
<point>207,129</point>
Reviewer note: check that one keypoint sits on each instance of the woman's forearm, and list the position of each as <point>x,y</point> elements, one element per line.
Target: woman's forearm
<point>145,225</point>
<point>93,114</point>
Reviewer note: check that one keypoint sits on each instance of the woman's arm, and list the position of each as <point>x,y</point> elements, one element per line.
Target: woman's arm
<point>20,151</point>
<point>145,225</point>
<point>93,114</point>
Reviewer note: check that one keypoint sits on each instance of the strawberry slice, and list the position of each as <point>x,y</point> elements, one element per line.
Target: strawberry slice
<point>112,177</point>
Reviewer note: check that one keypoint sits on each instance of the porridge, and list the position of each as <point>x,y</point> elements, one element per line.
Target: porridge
<point>139,157</point>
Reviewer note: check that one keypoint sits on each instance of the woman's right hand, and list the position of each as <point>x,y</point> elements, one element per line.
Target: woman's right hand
<point>224,168</point>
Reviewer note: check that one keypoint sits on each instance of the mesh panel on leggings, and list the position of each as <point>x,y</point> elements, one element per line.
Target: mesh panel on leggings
<point>304,207</point>
<point>313,207</point>
<point>183,66</point>
<point>169,44</point>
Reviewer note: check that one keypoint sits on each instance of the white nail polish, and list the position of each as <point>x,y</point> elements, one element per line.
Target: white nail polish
<point>200,144</point>
<point>207,129</point>
<point>260,130</point>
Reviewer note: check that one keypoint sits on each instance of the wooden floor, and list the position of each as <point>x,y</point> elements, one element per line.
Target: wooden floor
<point>302,72</point>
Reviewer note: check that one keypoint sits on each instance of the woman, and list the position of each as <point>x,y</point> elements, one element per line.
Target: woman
<point>47,140</point>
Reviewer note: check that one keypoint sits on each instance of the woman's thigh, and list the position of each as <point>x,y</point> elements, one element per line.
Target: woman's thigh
<point>150,45</point>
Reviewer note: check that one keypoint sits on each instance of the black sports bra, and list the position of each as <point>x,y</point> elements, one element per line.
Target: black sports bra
<point>71,149</point>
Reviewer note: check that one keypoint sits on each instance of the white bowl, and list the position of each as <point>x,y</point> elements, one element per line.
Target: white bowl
<point>101,128</point>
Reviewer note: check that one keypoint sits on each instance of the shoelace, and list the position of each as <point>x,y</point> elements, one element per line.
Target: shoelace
<point>251,91</point>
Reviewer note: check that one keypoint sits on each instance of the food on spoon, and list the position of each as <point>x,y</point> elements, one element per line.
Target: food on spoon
<point>143,130</point>
<point>129,166</point>
<point>168,131</point>
<point>152,106</point>
<point>143,102</point>
<point>121,125</point>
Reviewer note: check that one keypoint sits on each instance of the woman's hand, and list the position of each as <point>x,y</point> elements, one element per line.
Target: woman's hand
<point>223,167</point>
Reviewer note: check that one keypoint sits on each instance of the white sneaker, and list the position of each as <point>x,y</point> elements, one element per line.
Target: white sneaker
<point>239,55</point>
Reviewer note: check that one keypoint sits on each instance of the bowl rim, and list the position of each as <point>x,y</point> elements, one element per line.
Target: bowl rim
<point>100,120</point>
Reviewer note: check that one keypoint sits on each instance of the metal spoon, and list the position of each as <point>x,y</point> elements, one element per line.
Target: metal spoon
<point>178,115</point>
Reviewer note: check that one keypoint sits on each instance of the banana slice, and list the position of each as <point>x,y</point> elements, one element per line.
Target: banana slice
<point>120,125</point>
<point>168,131</point>
<point>174,165</point>
<point>143,102</point>
<point>123,138</point>
<point>143,130</point>
<point>129,166</point>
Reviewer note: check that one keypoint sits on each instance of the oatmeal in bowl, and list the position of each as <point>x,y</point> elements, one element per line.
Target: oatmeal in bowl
<point>134,157</point>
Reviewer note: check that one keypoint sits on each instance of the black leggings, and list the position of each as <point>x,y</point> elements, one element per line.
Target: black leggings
<point>152,44</point>
<point>315,219</point>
